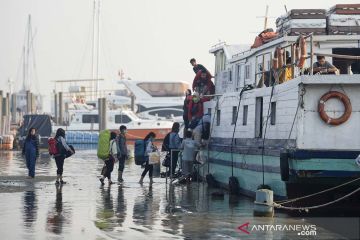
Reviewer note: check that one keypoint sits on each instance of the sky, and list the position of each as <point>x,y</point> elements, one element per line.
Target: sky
<point>149,40</point>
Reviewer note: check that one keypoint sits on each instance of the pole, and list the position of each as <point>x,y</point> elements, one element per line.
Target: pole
<point>56,117</point>
<point>104,113</point>
<point>93,48</point>
<point>61,108</point>
<point>13,108</point>
<point>28,102</point>
<point>100,114</point>
<point>98,50</point>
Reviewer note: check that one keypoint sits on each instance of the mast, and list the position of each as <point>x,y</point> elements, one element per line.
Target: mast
<point>93,48</point>
<point>98,50</point>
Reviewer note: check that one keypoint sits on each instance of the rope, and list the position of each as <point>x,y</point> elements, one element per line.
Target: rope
<point>246,88</point>
<point>314,194</point>
<point>317,206</point>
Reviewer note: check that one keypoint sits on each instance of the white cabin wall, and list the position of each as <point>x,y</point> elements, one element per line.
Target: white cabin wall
<point>316,134</point>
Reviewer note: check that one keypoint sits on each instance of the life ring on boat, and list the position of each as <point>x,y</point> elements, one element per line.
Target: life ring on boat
<point>301,49</point>
<point>344,99</point>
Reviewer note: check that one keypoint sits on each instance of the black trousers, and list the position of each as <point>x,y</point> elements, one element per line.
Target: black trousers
<point>60,164</point>
<point>109,167</point>
<point>148,168</point>
<point>174,160</point>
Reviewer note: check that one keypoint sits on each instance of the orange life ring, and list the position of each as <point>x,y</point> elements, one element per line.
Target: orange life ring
<point>302,51</point>
<point>344,99</point>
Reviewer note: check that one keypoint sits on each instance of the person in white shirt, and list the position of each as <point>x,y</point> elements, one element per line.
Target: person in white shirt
<point>202,128</point>
<point>188,147</point>
<point>109,163</point>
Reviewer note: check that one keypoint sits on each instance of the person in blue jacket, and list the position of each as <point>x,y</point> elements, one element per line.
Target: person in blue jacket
<point>31,151</point>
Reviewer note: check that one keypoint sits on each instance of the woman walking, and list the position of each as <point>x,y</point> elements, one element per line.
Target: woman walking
<point>63,149</point>
<point>109,163</point>
<point>150,147</point>
<point>31,151</point>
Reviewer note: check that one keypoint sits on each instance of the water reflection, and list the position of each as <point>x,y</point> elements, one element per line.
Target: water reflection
<point>30,208</point>
<point>58,215</point>
<point>145,208</point>
<point>105,212</point>
<point>121,206</point>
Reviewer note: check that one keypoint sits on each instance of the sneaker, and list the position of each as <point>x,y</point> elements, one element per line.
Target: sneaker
<point>57,182</point>
<point>102,181</point>
<point>111,182</point>
<point>62,182</point>
<point>120,179</point>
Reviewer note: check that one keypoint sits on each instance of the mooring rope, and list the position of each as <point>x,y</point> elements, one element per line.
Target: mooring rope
<point>314,194</point>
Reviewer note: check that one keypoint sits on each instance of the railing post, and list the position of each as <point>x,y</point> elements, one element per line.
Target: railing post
<point>311,54</point>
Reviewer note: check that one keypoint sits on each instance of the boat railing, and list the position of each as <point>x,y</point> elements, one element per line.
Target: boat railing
<point>220,44</point>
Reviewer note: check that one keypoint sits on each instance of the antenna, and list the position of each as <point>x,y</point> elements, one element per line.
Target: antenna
<point>285,8</point>
<point>266,17</point>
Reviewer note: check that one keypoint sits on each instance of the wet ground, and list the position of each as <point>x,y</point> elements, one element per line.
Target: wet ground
<point>82,209</point>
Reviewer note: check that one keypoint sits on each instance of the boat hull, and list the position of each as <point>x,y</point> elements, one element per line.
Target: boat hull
<point>306,176</point>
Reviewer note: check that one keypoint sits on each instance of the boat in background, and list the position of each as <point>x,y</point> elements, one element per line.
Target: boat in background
<point>158,99</point>
<point>85,118</point>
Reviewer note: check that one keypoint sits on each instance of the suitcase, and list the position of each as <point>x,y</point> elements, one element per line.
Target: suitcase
<point>305,31</point>
<point>345,9</point>
<point>335,30</point>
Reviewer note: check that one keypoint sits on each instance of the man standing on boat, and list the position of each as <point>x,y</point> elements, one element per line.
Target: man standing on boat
<point>122,151</point>
<point>198,67</point>
<point>323,67</point>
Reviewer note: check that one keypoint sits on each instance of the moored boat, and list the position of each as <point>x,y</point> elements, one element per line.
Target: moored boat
<point>297,135</point>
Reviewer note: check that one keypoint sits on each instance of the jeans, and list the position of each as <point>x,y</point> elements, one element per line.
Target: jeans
<point>122,163</point>
<point>30,163</point>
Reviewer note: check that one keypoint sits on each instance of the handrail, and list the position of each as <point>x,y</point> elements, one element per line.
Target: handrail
<point>337,56</point>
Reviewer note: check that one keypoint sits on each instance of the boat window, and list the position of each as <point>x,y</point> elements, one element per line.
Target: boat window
<point>245,115</point>
<point>90,118</point>
<point>247,71</point>
<point>273,113</point>
<point>218,115</point>
<point>168,113</point>
<point>122,118</point>
<point>165,89</point>
<point>234,113</point>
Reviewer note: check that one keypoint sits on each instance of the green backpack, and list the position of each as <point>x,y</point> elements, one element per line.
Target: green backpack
<point>103,145</point>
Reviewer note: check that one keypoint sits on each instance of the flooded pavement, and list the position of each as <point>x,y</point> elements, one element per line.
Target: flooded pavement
<point>82,209</point>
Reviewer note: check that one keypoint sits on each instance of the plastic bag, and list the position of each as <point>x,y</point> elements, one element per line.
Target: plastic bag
<point>154,158</point>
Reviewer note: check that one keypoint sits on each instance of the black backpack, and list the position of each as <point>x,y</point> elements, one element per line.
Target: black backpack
<point>166,143</point>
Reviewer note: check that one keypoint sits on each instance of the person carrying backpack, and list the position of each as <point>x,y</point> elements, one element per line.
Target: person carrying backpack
<point>109,163</point>
<point>31,151</point>
<point>122,151</point>
<point>149,147</point>
<point>64,150</point>
<point>174,145</point>
<point>188,146</point>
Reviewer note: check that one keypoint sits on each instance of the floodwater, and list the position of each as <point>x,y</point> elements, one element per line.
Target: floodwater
<point>82,209</point>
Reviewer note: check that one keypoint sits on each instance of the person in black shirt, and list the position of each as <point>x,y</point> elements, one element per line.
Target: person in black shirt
<point>197,67</point>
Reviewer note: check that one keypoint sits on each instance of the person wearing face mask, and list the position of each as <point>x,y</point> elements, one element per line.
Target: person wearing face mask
<point>31,151</point>
<point>149,147</point>
<point>122,151</point>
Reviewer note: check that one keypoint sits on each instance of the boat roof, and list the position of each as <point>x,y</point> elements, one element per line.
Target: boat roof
<point>233,56</point>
